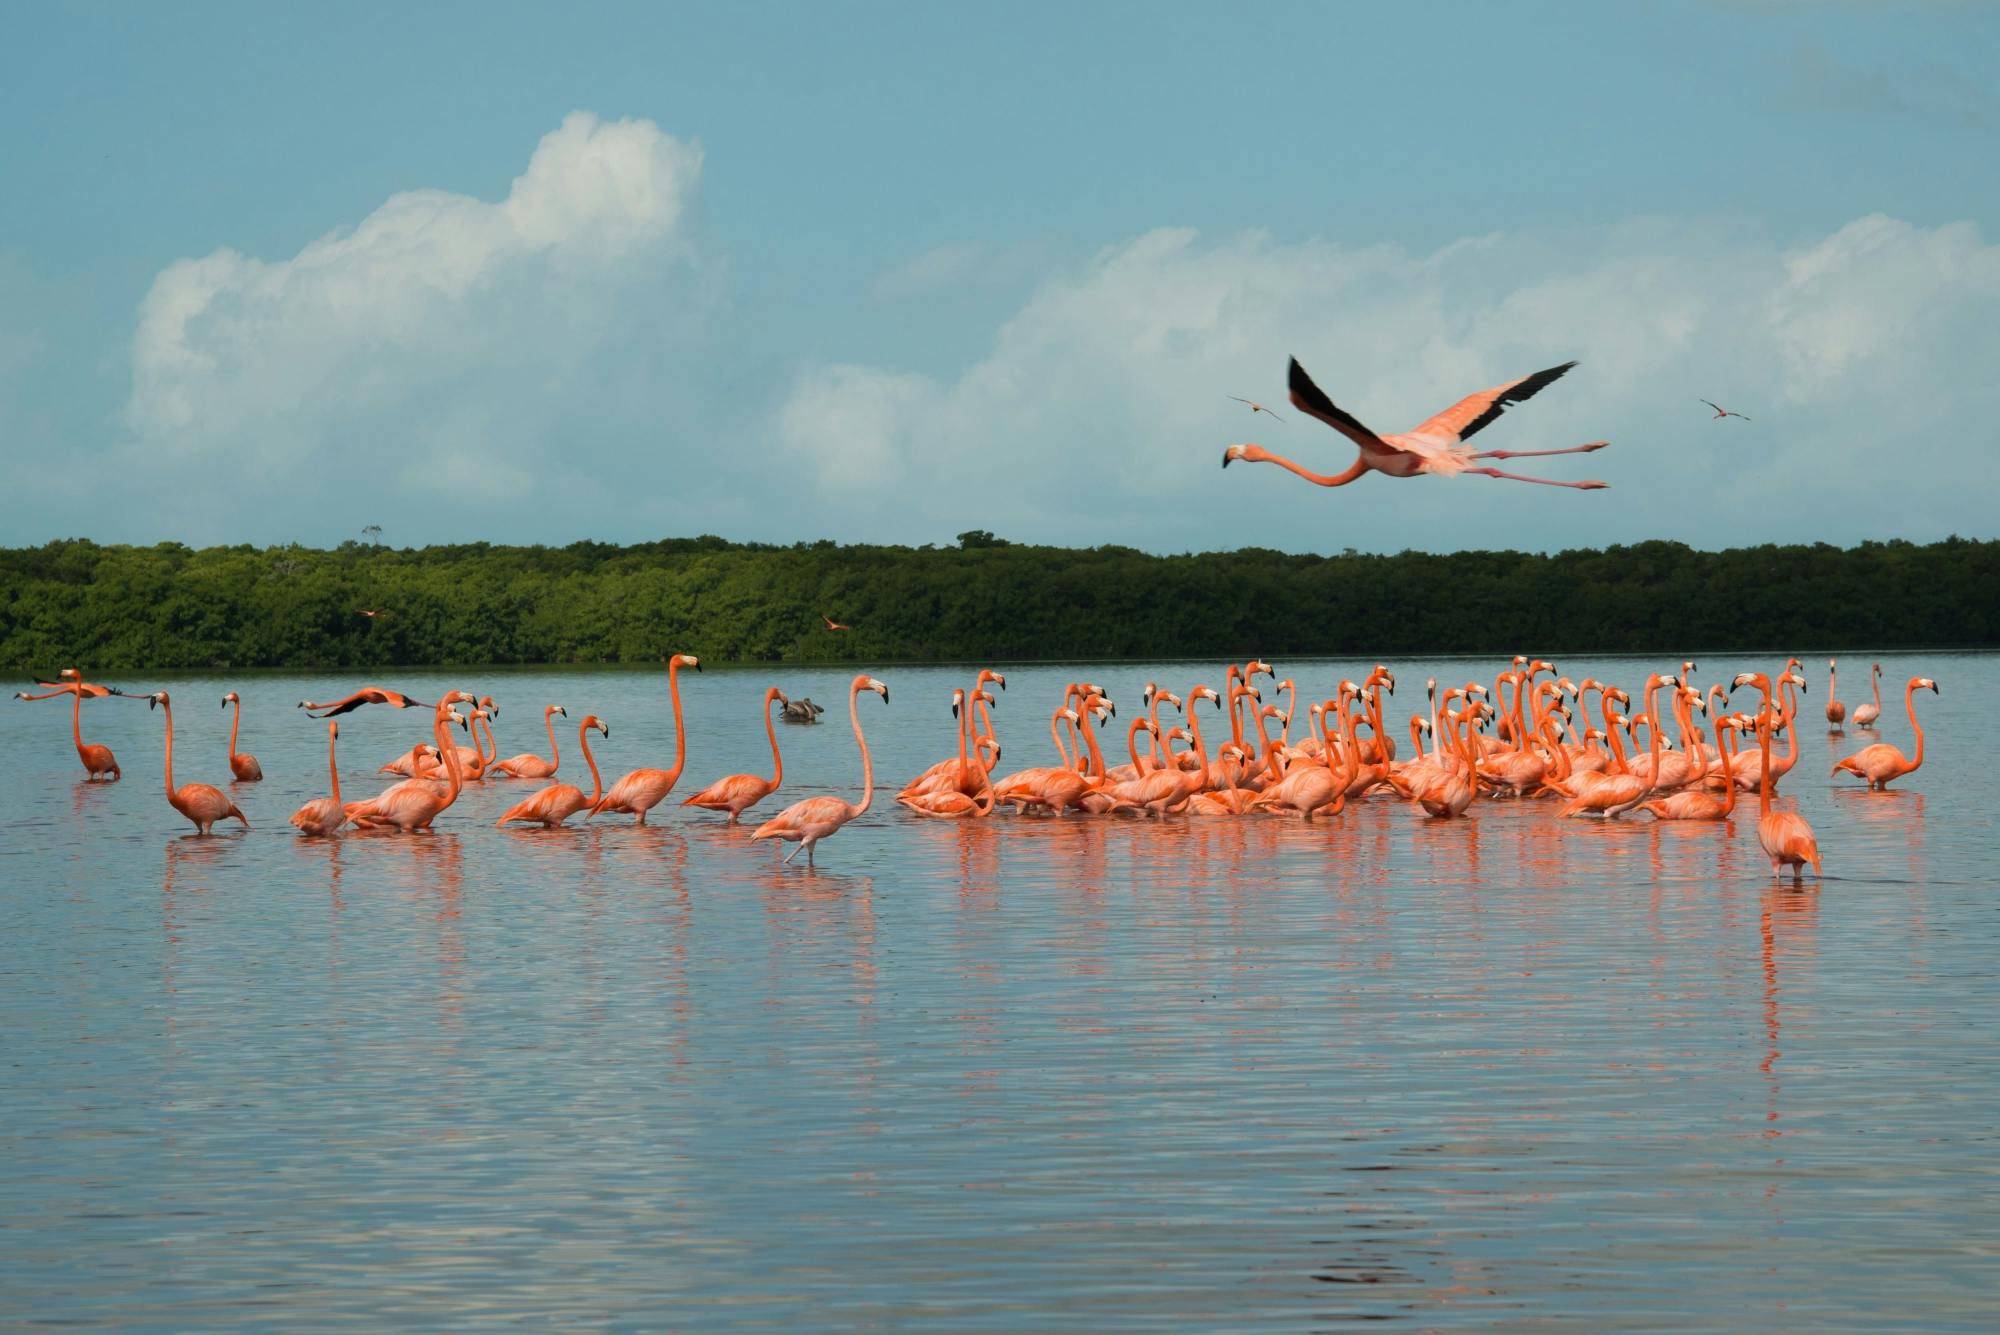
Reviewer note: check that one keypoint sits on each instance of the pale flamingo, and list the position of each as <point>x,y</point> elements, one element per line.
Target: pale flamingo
<point>244,767</point>
<point>1865,716</point>
<point>1786,838</point>
<point>411,806</point>
<point>1436,446</point>
<point>643,789</point>
<point>528,765</point>
<point>739,792</point>
<point>806,823</point>
<point>324,815</point>
<point>202,803</point>
<point>1836,712</point>
<point>98,762</point>
<point>1721,412</point>
<point>559,801</point>
<point>367,695</point>
<point>1882,763</point>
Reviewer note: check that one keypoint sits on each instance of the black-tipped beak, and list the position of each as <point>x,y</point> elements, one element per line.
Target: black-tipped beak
<point>697,665</point>
<point>225,704</point>
<point>1935,690</point>
<point>152,702</point>
<point>1225,458</point>
<point>604,728</point>
<point>885,696</point>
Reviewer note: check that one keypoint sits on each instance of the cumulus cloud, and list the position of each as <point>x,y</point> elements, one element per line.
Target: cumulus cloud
<point>441,334</point>
<point>1100,411</point>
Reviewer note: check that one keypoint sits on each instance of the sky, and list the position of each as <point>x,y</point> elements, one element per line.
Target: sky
<point>889,272</point>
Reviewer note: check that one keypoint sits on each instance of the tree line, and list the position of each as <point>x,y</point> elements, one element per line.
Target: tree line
<point>170,606</point>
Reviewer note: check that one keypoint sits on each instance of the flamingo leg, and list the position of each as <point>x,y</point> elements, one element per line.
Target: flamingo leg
<point>1537,454</point>
<point>786,860</point>
<point>1545,481</point>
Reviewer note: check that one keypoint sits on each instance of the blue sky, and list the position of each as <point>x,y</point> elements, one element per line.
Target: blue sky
<point>890,271</point>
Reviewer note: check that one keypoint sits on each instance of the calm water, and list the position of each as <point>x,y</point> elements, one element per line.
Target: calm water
<point>1017,1074</point>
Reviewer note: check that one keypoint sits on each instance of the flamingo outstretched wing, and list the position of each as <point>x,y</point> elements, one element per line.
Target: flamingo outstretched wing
<point>1473,413</point>
<point>1311,400</point>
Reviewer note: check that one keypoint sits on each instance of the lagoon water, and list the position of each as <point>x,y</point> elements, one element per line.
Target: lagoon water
<point>1082,1074</point>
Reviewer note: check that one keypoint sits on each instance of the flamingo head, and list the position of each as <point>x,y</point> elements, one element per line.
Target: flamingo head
<point>1205,693</point>
<point>1256,665</point>
<point>555,709</point>
<point>1925,682</point>
<point>986,675</point>
<point>158,698</point>
<point>332,728</point>
<point>684,660</point>
<point>1255,454</point>
<point>486,703</point>
<point>592,721</point>
<point>871,684</point>
<point>230,699</point>
<point>957,702</point>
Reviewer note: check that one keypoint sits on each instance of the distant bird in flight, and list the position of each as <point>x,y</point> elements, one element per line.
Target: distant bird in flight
<point>831,624</point>
<point>1437,446</point>
<point>371,615</point>
<point>1257,407</point>
<point>1721,412</point>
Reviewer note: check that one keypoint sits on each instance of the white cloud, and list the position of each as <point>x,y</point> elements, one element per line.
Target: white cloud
<point>1100,413</point>
<point>439,328</point>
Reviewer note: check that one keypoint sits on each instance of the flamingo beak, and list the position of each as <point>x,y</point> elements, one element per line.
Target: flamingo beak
<point>1935,690</point>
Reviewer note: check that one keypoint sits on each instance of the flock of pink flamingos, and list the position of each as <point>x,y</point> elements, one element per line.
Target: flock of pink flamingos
<point>1525,738</point>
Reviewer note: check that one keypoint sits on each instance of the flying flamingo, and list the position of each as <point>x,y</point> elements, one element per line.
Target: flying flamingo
<point>97,760</point>
<point>1786,838</point>
<point>244,767</point>
<point>1256,407</point>
<point>1721,412</point>
<point>1836,712</point>
<point>367,695</point>
<point>1881,763</point>
<point>324,815</point>
<point>831,624</point>
<point>1437,446</point>
<point>559,801</point>
<point>1866,715</point>
<point>643,789</point>
<point>528,765</point>
<point>739,792</point>
<point>201,803</point>
<point>806,823</point>
<point>371,614</point>
<point>413,804</point>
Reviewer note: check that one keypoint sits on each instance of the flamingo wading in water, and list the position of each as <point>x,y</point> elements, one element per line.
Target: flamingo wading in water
<point>559,801</point>
<point>1881,763</point>
<point>739,792</point>
<point>806,823</point>
<point>1437,446</point>
<point>528,765</point>
<point>324,815</point>
<point>202,803</point>
<point>243,766</point>
<point>98,762</point>
<point>643,789</point>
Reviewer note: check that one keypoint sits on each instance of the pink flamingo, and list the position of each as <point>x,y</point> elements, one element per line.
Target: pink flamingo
<point>1695,803</point>
<point>643,789</point>
<point>1881,763</point>
<point>244,767</point>
<point>367,695</point>
<point>806,823</point>
<point>559,801</point>
<point>202,803</point>
<point>1836,712</point>
<point>1866,715</point>
<point>528,765</point>
<point>739,792</point>
<point>97,760</point>
<point>411,806</point>
<point>1786,838</point>
<point>324,815</point>
<point>1436,446</point>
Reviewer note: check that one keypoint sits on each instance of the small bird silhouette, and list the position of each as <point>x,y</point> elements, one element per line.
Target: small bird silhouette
<point>1721,412</point>
<point>831,624</point>
<point>372,615</point>
<point>1257,407</point>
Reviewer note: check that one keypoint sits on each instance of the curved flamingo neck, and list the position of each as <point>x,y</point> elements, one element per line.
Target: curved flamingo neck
<point>234,724</point>
<point>1875,679</point>
<point>76,720</point>
<point>448,752</point>
<point>1132,744</point>
<point>1764,764</point>
<point>1201,750</point>
<point>1729,787</point>
<point>596,779</point>
<point>680,733</point>
<point>771,731</point>
<point>170,753</point>
<point>549,722</point>
<point>867,762</point>
<point>1055,735</point>
<point>1319,479</point>
<point>1910,704</point>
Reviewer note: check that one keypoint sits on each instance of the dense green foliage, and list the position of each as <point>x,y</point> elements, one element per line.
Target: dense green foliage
<point>171,607</point>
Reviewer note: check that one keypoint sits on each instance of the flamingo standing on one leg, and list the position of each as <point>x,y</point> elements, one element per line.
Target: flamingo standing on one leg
<point>324,815</point>
<point>1881,763</point>
<point>559,801</point>
<point>643,789</point>
<point>1836,712</point>
<point>1786,838</point>
<point>202,803</point>
<point>244,767</point>
<point>1437,446</point>
<point>806,823</point>
<point>97,760</point>
<point>739,792</point>
<point>1866,715</point>
<point>528,765</point>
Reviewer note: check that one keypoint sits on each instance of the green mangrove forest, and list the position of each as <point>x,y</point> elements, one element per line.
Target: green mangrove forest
<point>169,606</point>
